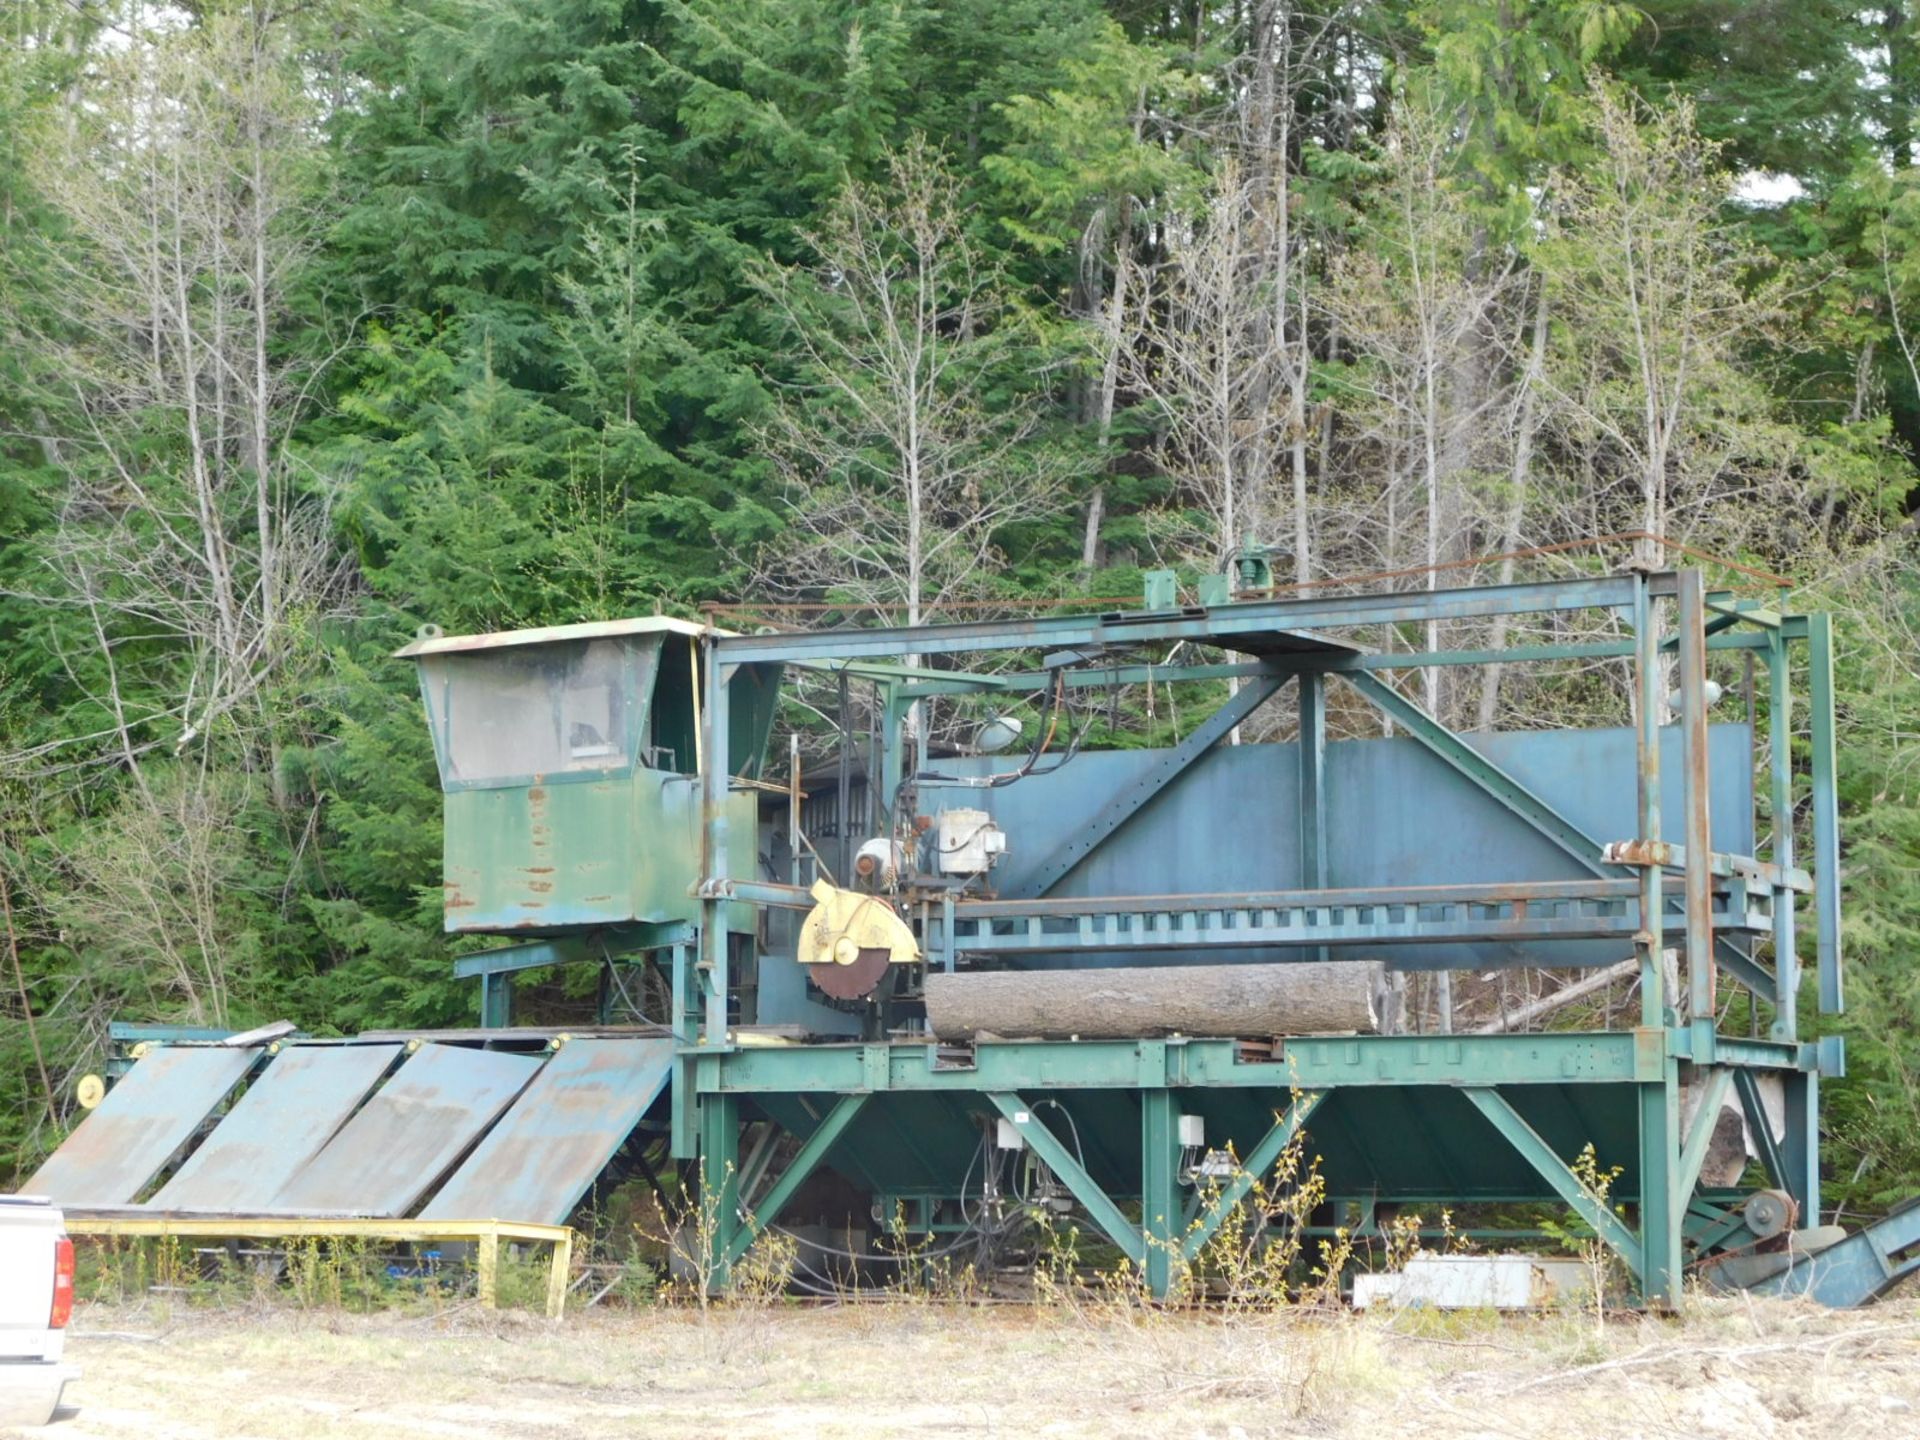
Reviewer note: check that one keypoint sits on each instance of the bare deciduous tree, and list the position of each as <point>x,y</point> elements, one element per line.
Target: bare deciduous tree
<point>909,436</point>
<point>1653,301</point>
<point>189,536</point>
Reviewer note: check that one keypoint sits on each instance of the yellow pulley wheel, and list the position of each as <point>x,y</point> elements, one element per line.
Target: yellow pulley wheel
<point>90,1091</point>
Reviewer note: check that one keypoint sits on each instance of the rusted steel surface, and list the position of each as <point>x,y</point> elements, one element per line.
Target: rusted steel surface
<point>539,1160</point>
<point>141,1125</point>
<point>286,1116</point>
<point>404,1139</point>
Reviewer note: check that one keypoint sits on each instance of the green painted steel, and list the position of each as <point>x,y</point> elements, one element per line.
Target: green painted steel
<point>1253,1167</point>
<point>719,1201</point>
<point>1397,1117</point>
<point>1583,848</point>
<point>1067,1166</point>
<point>1786,958</point>
<point>1578,1058</point>
<point>1555,1170</point>
<point>553,858</point>
<point>812,1151</point>
<point>1165,770</point>
<point>1160,1207</point>
<point>1826,810</point>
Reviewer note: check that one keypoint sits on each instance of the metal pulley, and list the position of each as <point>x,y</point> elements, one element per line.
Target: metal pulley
<point>848,940</point>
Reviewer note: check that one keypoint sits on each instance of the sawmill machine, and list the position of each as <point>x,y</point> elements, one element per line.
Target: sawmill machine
<point>1098,915</point>
<point>1139,968</point>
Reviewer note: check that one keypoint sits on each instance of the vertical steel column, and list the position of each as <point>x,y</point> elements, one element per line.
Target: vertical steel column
<point>1786,961</point>
<point>719,1183</point>
<point>713,912</point>
<point>1699,828</point>
<point>1313,785</point>
<point>843,790</point>
<point>1826,811</point>
<point>1160,1210</point>
<point>496,1000</point>
<point>684,1102</point>
<point>1661,1206</point>
<point>1646,627</point>
<point>1800,1154</point>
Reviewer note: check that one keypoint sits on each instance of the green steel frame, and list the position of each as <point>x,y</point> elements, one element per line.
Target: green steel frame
<point>1145,1218</point>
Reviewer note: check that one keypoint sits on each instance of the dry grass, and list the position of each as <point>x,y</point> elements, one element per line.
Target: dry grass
<point>1733,1369</point>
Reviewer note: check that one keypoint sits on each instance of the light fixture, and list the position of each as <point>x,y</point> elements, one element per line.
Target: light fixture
<point>997,734</point>
<point>1714,690</point>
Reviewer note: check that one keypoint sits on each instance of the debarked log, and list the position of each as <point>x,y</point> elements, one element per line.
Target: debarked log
<point>1335,998</point>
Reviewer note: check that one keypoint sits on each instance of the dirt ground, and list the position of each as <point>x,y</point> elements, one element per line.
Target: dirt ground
<point>1733,1368</point>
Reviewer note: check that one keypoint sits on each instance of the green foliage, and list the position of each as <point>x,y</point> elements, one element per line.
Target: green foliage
<point>531,364</point>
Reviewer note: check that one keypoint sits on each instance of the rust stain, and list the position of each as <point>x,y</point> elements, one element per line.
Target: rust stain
<point>539,869</point>
<point>540,887</point>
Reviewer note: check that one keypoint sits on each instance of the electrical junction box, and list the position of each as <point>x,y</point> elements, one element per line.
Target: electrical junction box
<point>967,842</point>
<point>1007,1135</point>
<point>1193,1131</point>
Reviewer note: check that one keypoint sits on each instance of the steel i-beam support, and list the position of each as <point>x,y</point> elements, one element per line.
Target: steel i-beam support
<point>1482,772</point>
<point>811,1152</point>
<point>1663,1206</point>
<point>719,1186</point>
<point>714,789</point>
<point>1786,960</point>
<point>1699,827</point>
<point>496,1000</point>
<point>1800,1153</point>
<point>1653,996</point>
<point>1160,1209</point>
<point>1108,1216</point>
<point>1826,811</point>
<point>1262,1158</point>
<point>1556,1172</point>
<point>1161,773</point>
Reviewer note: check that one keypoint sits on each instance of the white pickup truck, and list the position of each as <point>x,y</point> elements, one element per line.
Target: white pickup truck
<point>36,1300</point>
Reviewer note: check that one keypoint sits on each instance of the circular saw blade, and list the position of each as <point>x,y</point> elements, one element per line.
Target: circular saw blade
<point>855,981</point>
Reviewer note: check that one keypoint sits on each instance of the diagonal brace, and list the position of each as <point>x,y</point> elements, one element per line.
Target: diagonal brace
<point>1171,764</point>
<point>1107,1215</point>
<point>1693,1154</point>
<point>811,1152</point>
<point>1260,1159</point>
<point>1761,1128</point>
<point>1555,1171</point>
<point>1482,772</point>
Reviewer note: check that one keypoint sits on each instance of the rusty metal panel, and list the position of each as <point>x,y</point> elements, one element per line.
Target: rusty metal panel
<point>405,1138</point>
<point>283,1120</point>
<point>545,1152</point>
<point>142,1124</point>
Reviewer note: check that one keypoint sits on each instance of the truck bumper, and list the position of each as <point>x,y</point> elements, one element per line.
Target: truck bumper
<point>30,1393</point>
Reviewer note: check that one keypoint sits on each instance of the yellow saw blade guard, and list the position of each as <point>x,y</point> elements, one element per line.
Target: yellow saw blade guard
<point>842,923</point>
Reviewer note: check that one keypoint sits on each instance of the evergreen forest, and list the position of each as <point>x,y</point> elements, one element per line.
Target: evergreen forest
<point>323,320</point>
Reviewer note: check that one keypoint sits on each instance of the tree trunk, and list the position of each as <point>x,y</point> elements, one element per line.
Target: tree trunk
<point>1240,1000</point>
